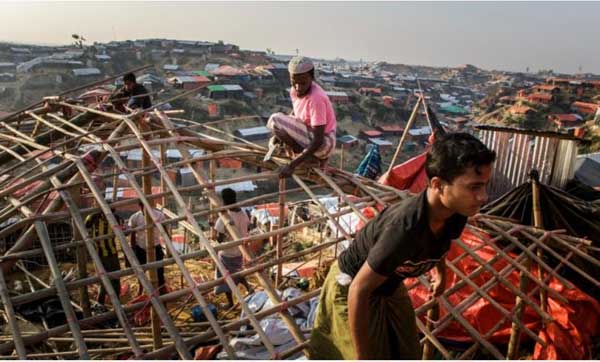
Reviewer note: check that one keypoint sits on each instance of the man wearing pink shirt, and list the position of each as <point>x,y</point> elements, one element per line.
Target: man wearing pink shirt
<point>310,131</point>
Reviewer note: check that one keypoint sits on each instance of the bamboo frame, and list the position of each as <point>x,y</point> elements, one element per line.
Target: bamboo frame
<point>126,134</point>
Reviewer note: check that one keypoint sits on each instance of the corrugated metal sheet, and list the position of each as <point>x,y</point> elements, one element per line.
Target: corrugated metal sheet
<point>253,131</point>
<point>519,153</point>
<point>86,71</point>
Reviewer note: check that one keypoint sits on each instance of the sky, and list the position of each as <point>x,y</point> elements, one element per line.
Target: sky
<point>493,35</point>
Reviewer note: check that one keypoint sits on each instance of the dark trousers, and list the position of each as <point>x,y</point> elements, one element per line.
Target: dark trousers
<point>111,263</point>
<point>141,256</point>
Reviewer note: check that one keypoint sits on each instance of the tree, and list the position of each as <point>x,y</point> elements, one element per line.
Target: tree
<point>79,39</point>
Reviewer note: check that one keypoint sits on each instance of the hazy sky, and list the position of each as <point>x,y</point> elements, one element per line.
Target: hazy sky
<point>493,35</point>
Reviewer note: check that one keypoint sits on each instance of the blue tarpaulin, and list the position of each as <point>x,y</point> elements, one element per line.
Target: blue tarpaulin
<point>370,166</point>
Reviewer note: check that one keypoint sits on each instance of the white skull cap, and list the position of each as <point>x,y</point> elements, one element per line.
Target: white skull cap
<point>300,64</point>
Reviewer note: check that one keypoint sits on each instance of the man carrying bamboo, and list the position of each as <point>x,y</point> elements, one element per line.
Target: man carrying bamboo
<point>365,311</point>
<point>310,132</point>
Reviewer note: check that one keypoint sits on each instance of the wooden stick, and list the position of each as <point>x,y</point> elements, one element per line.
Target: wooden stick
<point>323,209</point>
<point>433,340</point>
<point>151,250</point>
<point>341,194</point>
<point>12,320</point>
<point>409,124</point>
<point>471,350</point>
<point>504,281</point>
<point>472,331</point>
<point>84,297</point>
<point>497,305</point>
<point>533,257</point>
<point>234,232</point>
<point>181,348</point>
<point>63,295</point>
<point>539,223</point>
<point>279,254</point>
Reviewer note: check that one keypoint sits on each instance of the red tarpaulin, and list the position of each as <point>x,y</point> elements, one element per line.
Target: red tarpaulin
<point>409,175</point>
<point>568,337</point>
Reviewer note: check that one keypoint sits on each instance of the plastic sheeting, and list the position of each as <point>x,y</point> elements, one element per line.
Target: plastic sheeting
<point>409,175</point>
<point>568,337</point>
<point>251,347</point>
<point>560,210</point>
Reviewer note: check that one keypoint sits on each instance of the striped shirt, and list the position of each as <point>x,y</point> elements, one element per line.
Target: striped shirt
<point>98,225</point>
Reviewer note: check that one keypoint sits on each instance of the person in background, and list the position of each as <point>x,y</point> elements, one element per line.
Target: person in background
<point>138,241</point>
<point>133,94</point>
<point>231,258</point>
<point>310,132</point>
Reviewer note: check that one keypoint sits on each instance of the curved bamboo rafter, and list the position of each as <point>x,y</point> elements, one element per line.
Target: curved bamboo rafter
<point>49,199</point>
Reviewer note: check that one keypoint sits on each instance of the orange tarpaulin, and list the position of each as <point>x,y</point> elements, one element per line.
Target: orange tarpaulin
<point>230,163</point>
<point>568,337</point>
<point>409,175</point>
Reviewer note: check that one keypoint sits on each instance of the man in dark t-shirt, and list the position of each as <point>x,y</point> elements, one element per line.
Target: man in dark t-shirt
<point>133,94</point>
<point>364,310</point>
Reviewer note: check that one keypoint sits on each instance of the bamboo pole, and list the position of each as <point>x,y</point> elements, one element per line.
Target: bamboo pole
<point>232,229</point>
<point>432,315</point>
<point>26,238</point>
<point>84,297</point>
<point>101,271</point>
<point>323,209</point>
<point>151,251</point>
<point>411,120</point>
<point>212,169</point>
<point>168,323</point>
<point>129,271</point>
<point>550,251</point>
<point>173,218</point>
<point>237,324</point>
<point>483,294</point>
<point>12,320</point>
<point>506,283</point>
<point>169,243</point>
<point>433,340</point>
<point>115,184</point>
<point>464,323</point>
<point>63,294</point>
<point>163,160</point>
<point>472,331</point>
<point>171,296</point>
<point>538,222</point>
<point>279,254</point>
<point>39,307</point>
<point>341,194</point>
<point>471,350</point>
<point>533,257</point>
